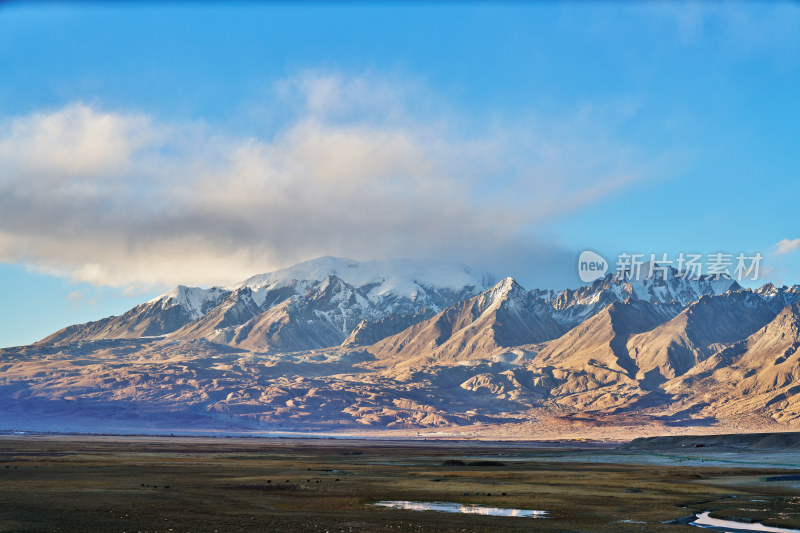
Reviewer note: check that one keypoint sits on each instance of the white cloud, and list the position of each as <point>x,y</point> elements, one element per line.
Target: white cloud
<point>786,246</point>
<point>76,141</point>
<point>356,169</point>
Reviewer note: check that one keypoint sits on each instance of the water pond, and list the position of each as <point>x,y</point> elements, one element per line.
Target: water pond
<point>704,520</point>
<point>451,507</point>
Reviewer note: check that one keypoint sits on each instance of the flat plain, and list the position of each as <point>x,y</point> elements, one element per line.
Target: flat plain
<point>104,483</point>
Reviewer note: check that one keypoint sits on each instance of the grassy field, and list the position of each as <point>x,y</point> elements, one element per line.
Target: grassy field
<point>184,484</point>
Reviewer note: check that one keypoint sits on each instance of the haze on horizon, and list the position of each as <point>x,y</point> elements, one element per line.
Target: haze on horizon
<point>146,145</point>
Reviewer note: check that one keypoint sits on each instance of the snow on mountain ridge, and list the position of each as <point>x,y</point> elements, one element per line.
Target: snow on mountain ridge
<point>401,277</point>
<point>405,278</point>
<point>572,307</point>
<point>659,288</point>
<point>506,290</point>
<point>193,299</point>
<point>379,281</point>
<point>378,288</point>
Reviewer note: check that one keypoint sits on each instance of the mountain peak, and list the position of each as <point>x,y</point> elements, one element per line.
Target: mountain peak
<point>508,284</point>
<point>399,275</point>
<point>505,289</point>
<point>193,299</point>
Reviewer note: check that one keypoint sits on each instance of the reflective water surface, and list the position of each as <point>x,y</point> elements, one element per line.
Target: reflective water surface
<point>705,520</point>
<point>450,507</point>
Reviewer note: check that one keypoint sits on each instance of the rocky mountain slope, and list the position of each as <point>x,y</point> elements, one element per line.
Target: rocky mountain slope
<point>502,317</point>
<point>334,344</point>
<point>311,305</point>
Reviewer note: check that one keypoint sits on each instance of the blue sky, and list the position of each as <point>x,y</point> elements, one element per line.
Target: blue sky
<point>144,145</point>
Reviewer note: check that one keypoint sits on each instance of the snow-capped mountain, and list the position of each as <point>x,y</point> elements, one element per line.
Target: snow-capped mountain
<point>313,304</point>
<point>340,343</point>
<point>398,286</point>
<point>663,287</point>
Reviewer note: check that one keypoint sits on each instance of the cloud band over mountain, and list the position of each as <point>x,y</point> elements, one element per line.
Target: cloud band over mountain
<point>352,168</point>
